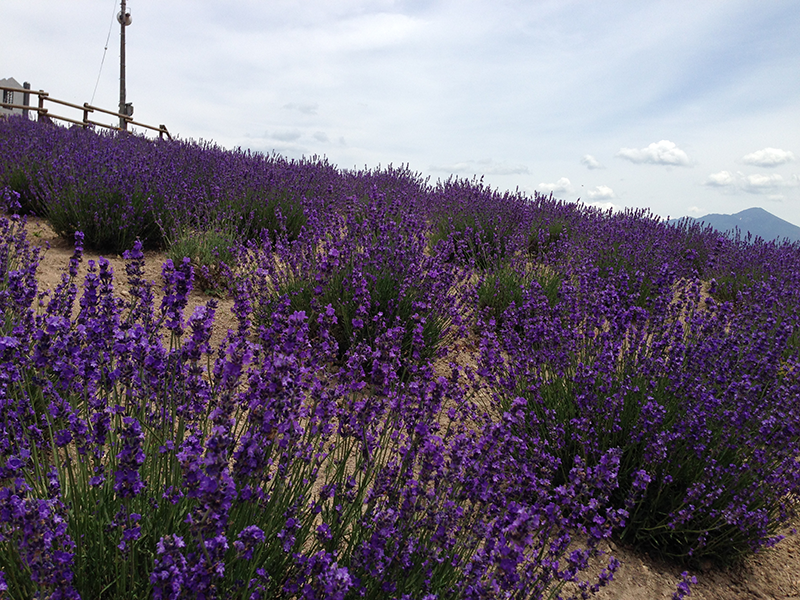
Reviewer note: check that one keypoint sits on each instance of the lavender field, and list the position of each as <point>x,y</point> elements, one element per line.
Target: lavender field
<point>433,390</point>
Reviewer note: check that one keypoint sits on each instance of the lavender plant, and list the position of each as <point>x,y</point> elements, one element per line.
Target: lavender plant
<point>25,156</point>
<point>504,287</point>
<point>693,401</point>
<point>209,252</point>
<point>374,275</point>
<point>480,226</point>
<point>633,379</point>
<point>258,469</point>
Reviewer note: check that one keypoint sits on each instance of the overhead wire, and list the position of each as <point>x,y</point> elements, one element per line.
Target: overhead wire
<point>105,50</point>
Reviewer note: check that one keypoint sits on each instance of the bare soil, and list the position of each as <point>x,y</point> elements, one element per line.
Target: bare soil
<point>773,573</point>
<point>56,260</point>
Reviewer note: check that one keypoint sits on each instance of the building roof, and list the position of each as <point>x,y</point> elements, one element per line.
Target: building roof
<point>11,82</point>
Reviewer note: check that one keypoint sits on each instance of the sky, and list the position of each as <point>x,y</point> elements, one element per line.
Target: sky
<point>684,108</point>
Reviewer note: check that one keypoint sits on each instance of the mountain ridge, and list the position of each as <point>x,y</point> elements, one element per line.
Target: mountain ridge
<point>756,220</point>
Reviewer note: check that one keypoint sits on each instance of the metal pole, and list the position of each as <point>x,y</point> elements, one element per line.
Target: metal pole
<point>123,124</point>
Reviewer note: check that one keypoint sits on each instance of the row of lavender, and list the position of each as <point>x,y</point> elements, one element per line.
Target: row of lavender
<point>272,466</point>
<point>673,345</point>
<point>117,189</point>
<point>269,466</point>
<point>622,367</point>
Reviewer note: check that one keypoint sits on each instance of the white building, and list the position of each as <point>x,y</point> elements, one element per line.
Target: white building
<point>11,96</point>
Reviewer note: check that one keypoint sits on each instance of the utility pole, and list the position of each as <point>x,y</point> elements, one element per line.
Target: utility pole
<point>124,18</point>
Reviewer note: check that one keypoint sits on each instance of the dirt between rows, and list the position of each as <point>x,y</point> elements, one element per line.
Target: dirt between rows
<point>772,573</point>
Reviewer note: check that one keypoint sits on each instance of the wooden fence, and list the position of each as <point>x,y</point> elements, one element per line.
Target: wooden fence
<point>44,113</point>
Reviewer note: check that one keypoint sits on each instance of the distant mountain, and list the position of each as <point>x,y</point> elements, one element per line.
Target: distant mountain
<point>755,220</point>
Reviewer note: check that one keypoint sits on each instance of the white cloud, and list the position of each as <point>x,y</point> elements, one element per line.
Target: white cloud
<point>291,135</point>
<point>604,206</point>
<point>562,186</point>
<point>590,162</point>
<point>485,166</point>
<point>601,192</point>
<point>288,149</point>
<point>721,179</point>
<point>660,153</point>
<point>307,108</point>
<point>695,210</point>
<point>365,32</point>
<point>768,157</point>
<point>760,184</point>
<point>321,136</point>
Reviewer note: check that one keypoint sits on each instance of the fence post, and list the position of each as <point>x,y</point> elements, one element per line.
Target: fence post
<point>26,99</point>
<point>42,112</point>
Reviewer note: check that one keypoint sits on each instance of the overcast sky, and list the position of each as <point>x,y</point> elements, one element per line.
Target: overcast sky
<point>682,107</point>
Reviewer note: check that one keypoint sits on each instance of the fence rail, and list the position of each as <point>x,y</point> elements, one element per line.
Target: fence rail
<point>44,113</point>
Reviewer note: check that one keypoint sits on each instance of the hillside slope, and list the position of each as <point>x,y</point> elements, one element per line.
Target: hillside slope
<point>755,220</point>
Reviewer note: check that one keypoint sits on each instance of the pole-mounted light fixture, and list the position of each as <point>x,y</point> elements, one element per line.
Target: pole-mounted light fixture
<point>125,108</point>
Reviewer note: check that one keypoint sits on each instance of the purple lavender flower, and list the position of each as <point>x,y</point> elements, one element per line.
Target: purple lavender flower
<point>127,479</point>
<point>77,255</point>
<point>206,567</point>
<point>684,587</point>
<point>287,534</point>
<point>169,571</point>
<point>322,578</point>
<point>141,290</point>
<point>248,538</point>
<point>43,544</point>
<point>201,324</point>
<point>209,482</point>
<point>9,200</point>
<point>177,287</point>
